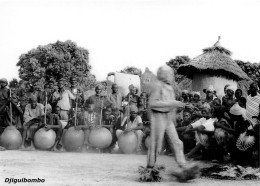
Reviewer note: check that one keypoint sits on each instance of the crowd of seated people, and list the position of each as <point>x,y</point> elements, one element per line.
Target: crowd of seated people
<point>220,129</point>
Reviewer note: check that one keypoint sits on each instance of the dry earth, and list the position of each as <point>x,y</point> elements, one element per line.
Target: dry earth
<point>76,169</point>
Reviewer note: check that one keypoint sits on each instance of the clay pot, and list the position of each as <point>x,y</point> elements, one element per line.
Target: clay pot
<point>11,138</point>
<point>73,139</point>
<point>44,139</point>
<point>100,138</point>
<point>127,142</point>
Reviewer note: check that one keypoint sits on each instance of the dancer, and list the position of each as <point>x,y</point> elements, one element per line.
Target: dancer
<point>163,107</point>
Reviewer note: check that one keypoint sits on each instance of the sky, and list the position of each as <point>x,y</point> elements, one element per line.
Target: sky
<point>120,33</point>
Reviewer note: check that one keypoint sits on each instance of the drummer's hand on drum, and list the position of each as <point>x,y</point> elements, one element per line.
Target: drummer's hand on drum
<point>48,127</point>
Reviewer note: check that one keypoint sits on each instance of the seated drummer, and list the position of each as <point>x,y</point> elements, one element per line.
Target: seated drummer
<point>31,121</point>
<point>108,122</point>
<point>53,122</point>
<point>87,121</point>
<point>133,123</point>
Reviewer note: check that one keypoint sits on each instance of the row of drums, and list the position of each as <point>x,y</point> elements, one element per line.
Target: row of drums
<point>72,140</point>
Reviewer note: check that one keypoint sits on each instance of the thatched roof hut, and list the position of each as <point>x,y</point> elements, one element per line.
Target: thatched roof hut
<point>213,67</point>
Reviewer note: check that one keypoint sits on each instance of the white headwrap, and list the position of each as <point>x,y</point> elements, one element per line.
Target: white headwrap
<point>232,87</point>
<point>196,93</point>
<point>211,88</point>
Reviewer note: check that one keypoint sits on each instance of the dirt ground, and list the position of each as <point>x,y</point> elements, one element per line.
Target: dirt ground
<point>76,169</point>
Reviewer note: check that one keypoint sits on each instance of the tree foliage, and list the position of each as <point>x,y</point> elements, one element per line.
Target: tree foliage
<point>55,61</point>
<point>132,70</point>
<point>175,63</point>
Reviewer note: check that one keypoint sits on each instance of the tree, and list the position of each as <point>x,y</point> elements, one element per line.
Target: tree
<point>175,63</point>
<point>55,61</point>
<point>132,70</point>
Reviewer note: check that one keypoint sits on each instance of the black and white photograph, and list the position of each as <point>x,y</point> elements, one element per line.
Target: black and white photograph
<point>129,92</point>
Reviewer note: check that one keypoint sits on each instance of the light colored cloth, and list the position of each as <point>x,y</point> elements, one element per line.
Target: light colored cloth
<point>209,124</point>
<point>231,87</point>
<point>30,113</point>
<point>198,122</point>
<point>252,108</point>
<point>131,124</point>
<point>237,110</point>
<point>64,102</point>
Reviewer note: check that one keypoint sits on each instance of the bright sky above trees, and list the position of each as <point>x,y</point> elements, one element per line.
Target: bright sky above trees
<point>120,33</point>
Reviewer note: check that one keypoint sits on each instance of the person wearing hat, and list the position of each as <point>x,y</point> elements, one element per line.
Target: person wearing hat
<point>78,92</point>
<point>62,98</point>
<point>32,112</point>
<point>133,123</point>
<point>210,94</point>
<point>228,100</point>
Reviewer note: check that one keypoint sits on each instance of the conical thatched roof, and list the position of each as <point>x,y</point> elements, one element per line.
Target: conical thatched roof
<point>215,60</point>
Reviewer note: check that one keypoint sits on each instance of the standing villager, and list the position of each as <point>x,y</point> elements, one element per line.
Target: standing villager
<point>23,99</point>
<point>78,93</point>
<point>116,97</point>
<point>163,107</point>
<point>101,102</point>
<point>17,113</point>
<point>253,104</point>
<point>210,95</point>
<point>4,95</point>
<point>51,91</point>
<point>62,98</point>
